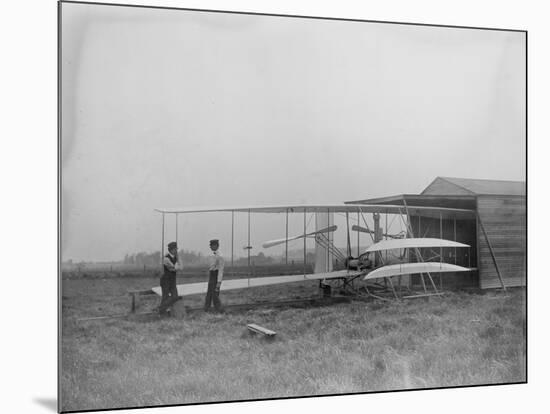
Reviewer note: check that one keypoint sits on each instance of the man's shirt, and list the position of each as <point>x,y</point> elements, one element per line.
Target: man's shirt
<point>216,263</point>
<point>169,265</point>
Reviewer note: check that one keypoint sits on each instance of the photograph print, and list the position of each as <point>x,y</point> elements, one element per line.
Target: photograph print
<point>263,206</point>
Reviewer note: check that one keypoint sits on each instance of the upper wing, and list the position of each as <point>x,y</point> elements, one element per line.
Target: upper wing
<point>328,208</point>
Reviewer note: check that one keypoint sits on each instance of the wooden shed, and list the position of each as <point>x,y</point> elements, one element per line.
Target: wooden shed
<point>496,229</point>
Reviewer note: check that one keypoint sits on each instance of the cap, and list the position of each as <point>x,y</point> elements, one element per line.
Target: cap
<point>214,241</point>
<point>172,245</point>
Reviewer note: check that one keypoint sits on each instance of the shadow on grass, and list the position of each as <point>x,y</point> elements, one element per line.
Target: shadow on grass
<point>49,403</point>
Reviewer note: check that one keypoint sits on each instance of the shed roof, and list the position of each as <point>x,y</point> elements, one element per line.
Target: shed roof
<point>478,186</point>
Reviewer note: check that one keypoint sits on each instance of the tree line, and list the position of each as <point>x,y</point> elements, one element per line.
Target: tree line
<point>152,259</point>
<point>190,258</point>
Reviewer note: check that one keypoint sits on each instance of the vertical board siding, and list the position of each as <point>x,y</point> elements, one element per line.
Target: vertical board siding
<point>466,257</point>
<point>504,220</point>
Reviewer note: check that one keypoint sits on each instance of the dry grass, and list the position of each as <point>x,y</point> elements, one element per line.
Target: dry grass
<point>459,339</point>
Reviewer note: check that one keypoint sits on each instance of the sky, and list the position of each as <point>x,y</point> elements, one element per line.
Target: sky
<point>167,108</point>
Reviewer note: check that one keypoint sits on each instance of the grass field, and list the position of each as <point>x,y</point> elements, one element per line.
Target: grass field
<point>459,339</point>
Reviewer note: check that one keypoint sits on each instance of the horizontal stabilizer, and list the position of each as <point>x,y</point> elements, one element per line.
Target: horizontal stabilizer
<point>272,243</point>
<point>410,268</point>
<point>413,243</point>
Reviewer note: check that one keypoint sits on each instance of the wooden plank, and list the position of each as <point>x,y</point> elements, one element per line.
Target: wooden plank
<point>511,273</point>
<point>509,260</point>
<point>496,211</point>
<point>517,278</point>
<point>504,241</point>
<point>508,272</point>
<point>512,227</point>
<point>501,201</point>
<point>505,233</point>
<point>505,228</point>
<point>260,329</point>
<point>505,249</point>
<point>507,218</point>
<point>502,204</point>
<point>495,283</point>
<point>515,267</point>
<point>508,197</point>
<point>503,252</point>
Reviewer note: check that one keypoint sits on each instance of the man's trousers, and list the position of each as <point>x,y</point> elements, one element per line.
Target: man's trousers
<point>169,292</point>
<point>213,294</point>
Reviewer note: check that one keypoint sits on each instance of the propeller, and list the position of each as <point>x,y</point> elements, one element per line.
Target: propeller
<point>272,243</point>
<point>361,229</point>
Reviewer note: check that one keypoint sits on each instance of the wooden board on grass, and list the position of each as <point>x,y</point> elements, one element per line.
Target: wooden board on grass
<point>260,329</point>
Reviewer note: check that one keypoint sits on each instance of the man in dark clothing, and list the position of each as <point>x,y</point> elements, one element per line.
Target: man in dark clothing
<point>215,276</point>
<point>168,279</point>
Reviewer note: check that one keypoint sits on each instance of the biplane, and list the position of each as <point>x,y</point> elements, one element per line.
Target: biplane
<point>331,264</point>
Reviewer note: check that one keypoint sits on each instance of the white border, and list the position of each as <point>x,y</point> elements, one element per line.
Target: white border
<point>28,33</point>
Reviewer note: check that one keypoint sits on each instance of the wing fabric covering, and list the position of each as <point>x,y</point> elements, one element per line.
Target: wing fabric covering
<point>413,243</point>
<point>231,284</point>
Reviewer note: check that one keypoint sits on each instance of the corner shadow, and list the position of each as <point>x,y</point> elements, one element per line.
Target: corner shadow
<point>49,403</point>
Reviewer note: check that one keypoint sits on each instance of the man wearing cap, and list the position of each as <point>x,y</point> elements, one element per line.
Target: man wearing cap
<point>215,277</point>
<point>168,279</point>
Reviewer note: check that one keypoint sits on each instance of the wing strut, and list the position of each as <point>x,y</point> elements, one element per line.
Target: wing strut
<point>305,242</point>
<point>177,241</point>
<point>328,258</point>
<point>162,242</point>
<point>248,245</point>
<point>347,228</point>
<point>286,239</point>
<point>366,224</point>
<point>232,238</point>
<point>419,254</point>
<point>358,241</point>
